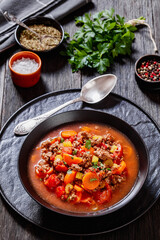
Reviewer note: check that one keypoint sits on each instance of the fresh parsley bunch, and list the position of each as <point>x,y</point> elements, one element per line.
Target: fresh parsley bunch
<point>99,40</point>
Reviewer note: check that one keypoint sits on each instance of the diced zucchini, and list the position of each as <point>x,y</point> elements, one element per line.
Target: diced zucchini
<point>113,148</point>
<point>95,159</point>
<point>108,163</point>
<point>59,157</point>
<point>79,175</point>
<point>68,188</point>
<point>97,137</point>
<point>67,144</point>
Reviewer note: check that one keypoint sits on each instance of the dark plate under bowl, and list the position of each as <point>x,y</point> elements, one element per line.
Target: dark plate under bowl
<point>149,85</point>
<point>83,116</point>
<point>39,20</point>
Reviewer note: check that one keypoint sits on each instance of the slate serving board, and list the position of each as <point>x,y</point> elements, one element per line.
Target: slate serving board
<point>14,193</point>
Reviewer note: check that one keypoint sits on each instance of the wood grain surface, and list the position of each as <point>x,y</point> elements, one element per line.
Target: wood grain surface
<point>57,75</point>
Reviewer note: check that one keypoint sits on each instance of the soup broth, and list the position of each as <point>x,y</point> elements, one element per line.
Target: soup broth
<point>83,167</point>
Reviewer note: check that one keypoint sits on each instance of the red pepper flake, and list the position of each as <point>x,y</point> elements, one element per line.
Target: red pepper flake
<point>155,62</point>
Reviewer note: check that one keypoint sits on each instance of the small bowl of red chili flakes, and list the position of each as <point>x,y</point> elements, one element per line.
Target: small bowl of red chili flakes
<point>147,72</point>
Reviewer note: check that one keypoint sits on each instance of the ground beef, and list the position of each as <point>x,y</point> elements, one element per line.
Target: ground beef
<point>46,156</point>
<point>76,167</point>
<point>86,156</point>
<point>45,144</point>
<point>96,141</point>
<point>102,154</point>
<point>108,138</point>
<point>72,196</point>
<point>85,135</point>
<point>61,176</point>
<point>76,143</point>
<point>55,147</point>
<point>43,165</point>
<point>116,180</point>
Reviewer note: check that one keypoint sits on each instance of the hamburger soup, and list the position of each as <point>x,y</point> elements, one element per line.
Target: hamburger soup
<point>83,167</point>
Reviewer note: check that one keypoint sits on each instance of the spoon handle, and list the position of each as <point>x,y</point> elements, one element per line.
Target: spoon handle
<point>12,18</point>
<point>25,127</point>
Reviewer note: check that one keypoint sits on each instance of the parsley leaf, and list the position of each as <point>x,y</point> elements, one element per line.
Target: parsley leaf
<point>99,40</point>
<point>69,171</point>
<point>88,144</point>
<point>75,152</point>
<point>93,179</point>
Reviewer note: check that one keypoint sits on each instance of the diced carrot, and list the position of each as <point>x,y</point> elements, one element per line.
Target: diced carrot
<point>69,177</point>
<point>55,140</point>
<point>86,129</point>
<point>90,180</point>
<point>91,150</point>
<point>120,169</point>
<point>78,188</point>
<point>69,159</point>
<point>68,133</point>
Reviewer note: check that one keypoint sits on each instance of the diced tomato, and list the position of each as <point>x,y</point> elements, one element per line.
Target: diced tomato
<point>52,158</point>
<point>52,182</point>
<point>61,168</point>
<point>39,171</point>
<point>80,153</point>
<point>71,139</point>
<point>104,145</point>
<point>103,196</point>
<point>67,150</point>
<point>78,197</point>
<point>60,190</point>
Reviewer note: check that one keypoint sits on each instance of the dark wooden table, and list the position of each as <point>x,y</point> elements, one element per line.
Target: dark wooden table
<point>57,75</point>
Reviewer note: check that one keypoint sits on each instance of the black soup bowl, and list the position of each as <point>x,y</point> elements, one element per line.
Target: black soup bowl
<point>83,116</point>
<point>39,20</point>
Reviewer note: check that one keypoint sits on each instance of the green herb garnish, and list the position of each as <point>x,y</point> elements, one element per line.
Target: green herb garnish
<point>69,171</point>
<point>108,169</point>
<point>88,144</point>
<point>75,152</point>
<point>41,179</point>
<point>93,179</point>
<point>99,40</point>
<point>62,140</point>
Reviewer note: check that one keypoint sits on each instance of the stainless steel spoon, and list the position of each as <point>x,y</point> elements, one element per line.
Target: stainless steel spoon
<point>12,18</point>
<point>92,92</point>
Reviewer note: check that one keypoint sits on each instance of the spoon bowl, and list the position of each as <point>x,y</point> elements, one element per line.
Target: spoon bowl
<point>98,88</point>
<point>92,92</point>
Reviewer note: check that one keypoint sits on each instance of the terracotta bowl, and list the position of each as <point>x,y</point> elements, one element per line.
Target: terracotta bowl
<point>25,80</point>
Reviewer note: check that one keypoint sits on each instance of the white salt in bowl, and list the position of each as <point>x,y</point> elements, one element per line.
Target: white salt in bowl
<point>25,68</point>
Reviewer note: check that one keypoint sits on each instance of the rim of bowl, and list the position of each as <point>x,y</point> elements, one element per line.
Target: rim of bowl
<point>35,19</point>
<point>21,54</point>
<point>113,208</point>
<point>140,60</point>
